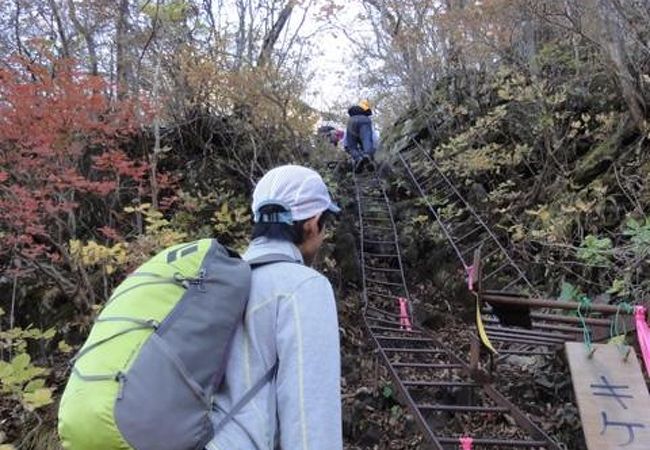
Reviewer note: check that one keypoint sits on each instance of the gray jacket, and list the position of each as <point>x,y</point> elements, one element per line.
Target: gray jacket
<point>290,318</point>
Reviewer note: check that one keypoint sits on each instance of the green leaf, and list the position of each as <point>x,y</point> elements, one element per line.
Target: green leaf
<point>618,340</point>
<point>38,398</point>
<point>6,370</point>
<point>633,224</point>
<point>34,385</point>
<point>49,334</point>
<point>618,286</point>
<point>20,362</point>
<point>595,251</point>
<point>387,391</point>
<point>64,347</point>
<point>569,292</point>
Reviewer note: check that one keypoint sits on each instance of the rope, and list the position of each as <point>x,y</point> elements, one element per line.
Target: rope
<point>614,330</point>
<point>481,329</point>
<point>585,303</point>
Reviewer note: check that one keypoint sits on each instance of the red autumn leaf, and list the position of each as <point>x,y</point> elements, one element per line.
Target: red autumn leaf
<point>110,233</point>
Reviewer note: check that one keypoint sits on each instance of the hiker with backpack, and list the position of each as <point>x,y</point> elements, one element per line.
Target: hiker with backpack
<point>199,348</point>
<point>359,136</point>
<point>290,327</point>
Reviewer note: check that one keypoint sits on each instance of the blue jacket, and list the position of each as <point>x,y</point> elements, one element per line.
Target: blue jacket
<point>291,318</point>
<point>359,132</point>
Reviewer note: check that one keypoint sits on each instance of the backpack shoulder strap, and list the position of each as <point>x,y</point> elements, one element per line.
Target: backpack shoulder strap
<point>268,376</point>
<point>270,259</point>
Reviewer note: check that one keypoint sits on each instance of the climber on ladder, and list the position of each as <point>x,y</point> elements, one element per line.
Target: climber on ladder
<point>359,139</point>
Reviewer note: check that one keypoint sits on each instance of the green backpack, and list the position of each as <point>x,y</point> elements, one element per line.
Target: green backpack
<point>145,377</point>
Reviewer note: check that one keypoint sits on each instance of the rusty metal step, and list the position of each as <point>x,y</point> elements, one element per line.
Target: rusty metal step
<point>462,408</point>
<point>427,365</point>
<point>440,384</point>
<point>499,443</point>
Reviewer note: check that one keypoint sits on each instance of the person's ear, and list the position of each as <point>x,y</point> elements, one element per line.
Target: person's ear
<point>311,227</point>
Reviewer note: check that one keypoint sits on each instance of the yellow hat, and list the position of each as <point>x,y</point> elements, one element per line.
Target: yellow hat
<point>364,104</point>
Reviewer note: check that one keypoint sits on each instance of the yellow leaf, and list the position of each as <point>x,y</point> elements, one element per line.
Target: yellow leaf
<point>544,215</point>
<point>519,234</point>
<point>64,347</point>
<point>38,398</point>
<point>618,340</point>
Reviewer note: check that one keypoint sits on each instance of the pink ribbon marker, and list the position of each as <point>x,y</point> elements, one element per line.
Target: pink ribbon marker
<point>404,320</point>
<point>470,277</point>
<point>466,443</point>
<point>643,335</point>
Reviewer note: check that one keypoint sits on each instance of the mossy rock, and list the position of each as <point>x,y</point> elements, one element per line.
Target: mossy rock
<point>598,159</point>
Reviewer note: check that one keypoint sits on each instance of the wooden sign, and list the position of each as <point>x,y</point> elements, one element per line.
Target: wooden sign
<point>612,397</point>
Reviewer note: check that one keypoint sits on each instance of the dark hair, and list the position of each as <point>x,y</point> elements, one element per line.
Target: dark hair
<point>282,231</point>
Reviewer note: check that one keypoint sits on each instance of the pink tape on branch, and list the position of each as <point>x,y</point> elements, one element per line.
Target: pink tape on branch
<point>470,277</point>
<point>466,443</point>
<point>643,335</point>
<point>404,320</point>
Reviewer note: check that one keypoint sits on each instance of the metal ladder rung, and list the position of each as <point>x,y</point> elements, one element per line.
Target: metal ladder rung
<point>381,269</point>
<point>495,271</point>
<point>379,228</point>
<point>432,351</point>
<point>427,366</point>
<point>382,255</point>
<point>513,282</point>
<point>383,283</point>
<point>539,326</point>
<point>501,337</point>
<point>462,408</point>
<point>399,329</point>
<point>473,247</point>
<point>383,294</point>
<point>524,352</point>
<point>417,383</point>
<point>436,177</point>
<point>381,311</point>
<point>491,254</point>
<point>400,338</point>
<point>383,321</point>
<point>494,442</point>
<point>532,333</point>
<point>468,234</point>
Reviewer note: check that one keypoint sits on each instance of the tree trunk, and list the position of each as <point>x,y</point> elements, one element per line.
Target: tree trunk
<point>241,35</point>
<point>122,64</point>
<point>153,160</point>
<point>273,35</point>
<point>87,35</point>
<point>65,48</point>
<point>613,34</point>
